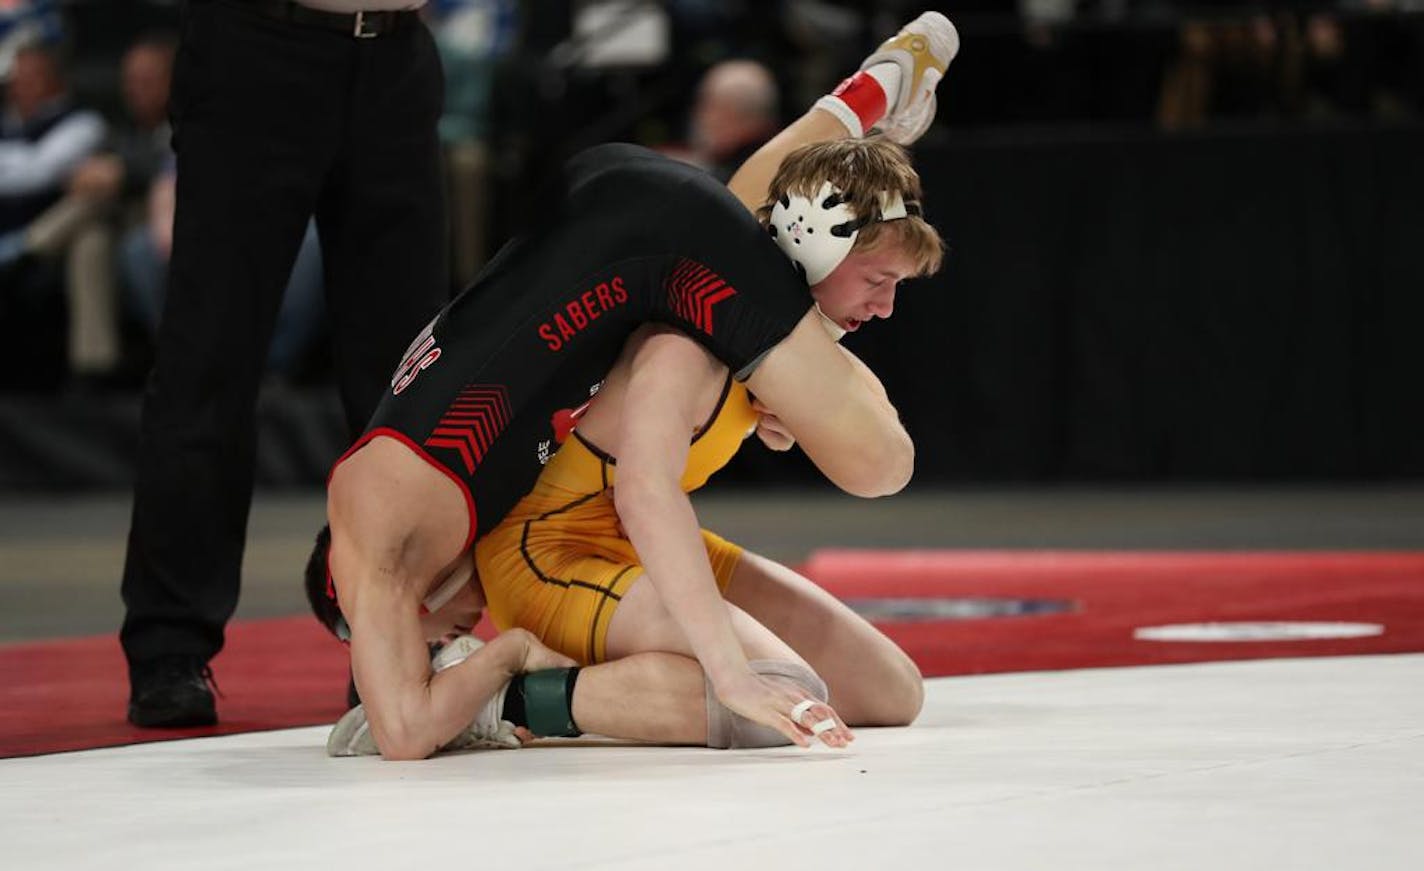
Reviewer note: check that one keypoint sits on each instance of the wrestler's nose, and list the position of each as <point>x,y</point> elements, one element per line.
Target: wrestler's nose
<point>882,305</point>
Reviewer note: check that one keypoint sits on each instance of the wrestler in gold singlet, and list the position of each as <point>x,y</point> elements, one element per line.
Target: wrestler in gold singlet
<point>559,562</point>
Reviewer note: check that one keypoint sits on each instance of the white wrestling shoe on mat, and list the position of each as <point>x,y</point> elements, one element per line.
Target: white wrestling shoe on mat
<point>922,50</point>
<point>351,736</point>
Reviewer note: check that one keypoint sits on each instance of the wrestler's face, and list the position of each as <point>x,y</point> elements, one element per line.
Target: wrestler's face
<point>863,286</point>
<point>457,616</point>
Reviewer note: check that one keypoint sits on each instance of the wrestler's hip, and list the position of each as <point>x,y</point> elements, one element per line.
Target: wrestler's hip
<point>566,589</point>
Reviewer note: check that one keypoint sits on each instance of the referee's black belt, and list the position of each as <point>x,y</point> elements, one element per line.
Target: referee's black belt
<point>358,25</point>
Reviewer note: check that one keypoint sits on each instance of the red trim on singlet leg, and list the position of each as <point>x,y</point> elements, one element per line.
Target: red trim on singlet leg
<point>419,452</point>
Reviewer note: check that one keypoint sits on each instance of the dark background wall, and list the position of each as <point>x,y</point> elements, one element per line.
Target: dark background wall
<point>1235,305</point>
<point>1182,236</point>
<point>1240,304</point>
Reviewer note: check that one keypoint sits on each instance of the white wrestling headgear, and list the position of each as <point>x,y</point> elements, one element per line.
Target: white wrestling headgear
<point>818,232</point>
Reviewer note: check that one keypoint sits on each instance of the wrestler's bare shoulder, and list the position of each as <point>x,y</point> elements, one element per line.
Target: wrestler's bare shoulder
<point>388,485</point>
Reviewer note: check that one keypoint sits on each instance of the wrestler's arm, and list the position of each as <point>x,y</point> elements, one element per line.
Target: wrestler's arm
<point>837,410</point>
<point>390,540</point>
<point>412,711</point>
<point>658,417</point>
<point>775,434</point>
<point>842,419</point>
<point>865,374</point>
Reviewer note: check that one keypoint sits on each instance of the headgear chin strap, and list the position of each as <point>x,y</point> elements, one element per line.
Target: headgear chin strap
<point>836,331</point>
<point>818,232</point>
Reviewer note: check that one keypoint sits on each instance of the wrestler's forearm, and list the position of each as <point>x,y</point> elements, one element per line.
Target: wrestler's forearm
<point>660,409</point>
<point>869,379</point>
<point>862,451</point>
<point>753,178</point>
<point>411,711</point>
<point>842,419</point>
<point>660,523</point>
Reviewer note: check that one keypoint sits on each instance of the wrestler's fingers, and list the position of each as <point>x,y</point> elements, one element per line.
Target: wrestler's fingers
<point>821,721</point>
<point>775,428</point>
<point>810,718</point>
<point>773,438</point>
<point>793,732</point>
<point>765,413</point>
<point>537,656</point>
<point>841,728</point>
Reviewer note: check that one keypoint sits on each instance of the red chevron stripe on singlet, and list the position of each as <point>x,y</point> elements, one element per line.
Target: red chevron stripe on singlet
<point>693,290</point>
<point>474,420</point>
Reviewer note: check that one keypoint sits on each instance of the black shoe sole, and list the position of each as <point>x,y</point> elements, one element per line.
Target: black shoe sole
<point>171,718</point>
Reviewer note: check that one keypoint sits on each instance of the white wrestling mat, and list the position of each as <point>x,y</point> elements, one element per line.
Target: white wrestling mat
<point>1279,764</point>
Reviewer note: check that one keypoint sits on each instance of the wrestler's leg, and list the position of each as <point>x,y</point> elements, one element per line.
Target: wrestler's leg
<point>894,90</point>
<point>656,697</point>
<point>872,681</point>
<point>643,624</point>
<point>645,685</point>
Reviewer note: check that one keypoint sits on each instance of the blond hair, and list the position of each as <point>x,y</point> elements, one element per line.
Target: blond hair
<point>863,170</point>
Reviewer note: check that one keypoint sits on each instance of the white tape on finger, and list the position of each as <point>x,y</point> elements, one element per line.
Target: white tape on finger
<point>800,710</point>
<point>825,725</point>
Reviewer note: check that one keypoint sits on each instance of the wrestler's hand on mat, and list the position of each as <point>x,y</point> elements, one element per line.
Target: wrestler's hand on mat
<point>783,708</point>
<point>772,432</point>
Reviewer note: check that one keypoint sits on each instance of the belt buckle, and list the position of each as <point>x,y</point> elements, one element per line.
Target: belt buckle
<point>360,31</point>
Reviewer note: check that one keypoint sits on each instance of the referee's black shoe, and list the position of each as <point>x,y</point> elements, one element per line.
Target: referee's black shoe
<point>171,692</point>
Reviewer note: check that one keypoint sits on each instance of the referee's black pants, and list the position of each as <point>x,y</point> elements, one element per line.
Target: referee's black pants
<point>273,122</point>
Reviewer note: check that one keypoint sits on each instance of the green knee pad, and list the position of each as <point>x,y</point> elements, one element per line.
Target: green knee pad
<point>548,701</point>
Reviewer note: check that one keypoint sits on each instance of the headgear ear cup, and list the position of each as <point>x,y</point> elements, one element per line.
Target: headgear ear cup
<point>818,232</point>
<point>815,235</point>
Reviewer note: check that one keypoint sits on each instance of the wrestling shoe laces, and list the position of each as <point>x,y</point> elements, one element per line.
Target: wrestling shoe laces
<point>923,50</point>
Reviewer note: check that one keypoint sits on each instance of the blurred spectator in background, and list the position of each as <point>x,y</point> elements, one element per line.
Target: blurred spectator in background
<point>472,35</point>
<point>105,193</point>
<point>44,138</point>
<point>1318,64</point>
<point>735,114</point>
<point>1363,65</point>
<point>25,23</point>
<point>1328,84</point>
<point>1224,69</point>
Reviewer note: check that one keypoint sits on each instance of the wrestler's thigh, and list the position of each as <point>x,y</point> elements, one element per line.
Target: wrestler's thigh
<point>871,680</point>
<point>643,624</point>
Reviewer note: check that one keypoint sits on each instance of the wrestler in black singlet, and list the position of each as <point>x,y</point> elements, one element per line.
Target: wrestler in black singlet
<point>627,237</point>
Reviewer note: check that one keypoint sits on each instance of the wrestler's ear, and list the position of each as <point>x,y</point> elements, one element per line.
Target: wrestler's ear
<point>320,595</point>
